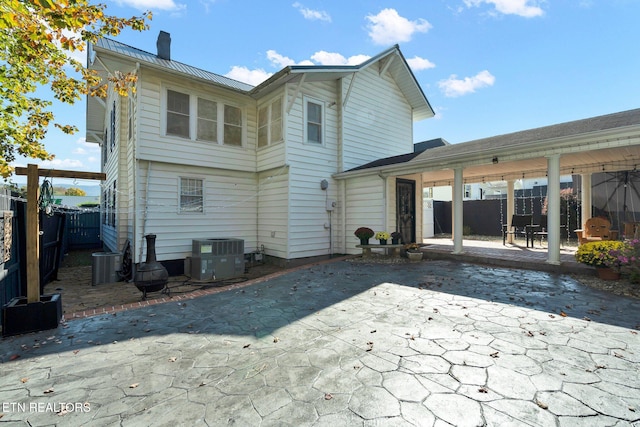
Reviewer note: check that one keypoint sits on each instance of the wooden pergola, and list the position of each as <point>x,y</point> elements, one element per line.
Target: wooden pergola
<point>33,227</point>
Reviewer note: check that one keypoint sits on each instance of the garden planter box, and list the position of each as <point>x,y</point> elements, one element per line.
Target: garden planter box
<point>20,317</point>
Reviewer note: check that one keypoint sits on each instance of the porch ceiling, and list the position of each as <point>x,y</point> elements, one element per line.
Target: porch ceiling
<point>603,143</point>
<point>606,159</point>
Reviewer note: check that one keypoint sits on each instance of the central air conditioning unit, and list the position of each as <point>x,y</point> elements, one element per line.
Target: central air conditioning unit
<point>215,259</point>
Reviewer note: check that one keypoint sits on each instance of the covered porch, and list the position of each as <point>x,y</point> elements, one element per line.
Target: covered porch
<point>605,143</point>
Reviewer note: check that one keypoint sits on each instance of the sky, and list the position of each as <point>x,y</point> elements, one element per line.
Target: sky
<point>487,67</point>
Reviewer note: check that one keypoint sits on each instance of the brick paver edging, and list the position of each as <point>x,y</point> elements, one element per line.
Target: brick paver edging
<point>193,294</point>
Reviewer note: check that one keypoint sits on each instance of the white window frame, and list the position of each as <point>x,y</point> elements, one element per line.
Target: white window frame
<point>306,100</point>
<point>183,210</point>
<point>165,113</point>
<point>216,120</point>
<point>270,122</point>
<point>194,116</point>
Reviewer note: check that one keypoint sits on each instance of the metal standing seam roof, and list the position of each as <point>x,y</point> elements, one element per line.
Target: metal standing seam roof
<point>404,75</point>
<point>152,59</point>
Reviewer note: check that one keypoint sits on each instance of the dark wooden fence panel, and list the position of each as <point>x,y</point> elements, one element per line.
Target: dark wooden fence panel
<point>51,239</point>
<point>486,217</point>
<point>83,230</point>
<point>11,278</point>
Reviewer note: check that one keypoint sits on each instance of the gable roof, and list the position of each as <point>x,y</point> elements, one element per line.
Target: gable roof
<point>393,61</point>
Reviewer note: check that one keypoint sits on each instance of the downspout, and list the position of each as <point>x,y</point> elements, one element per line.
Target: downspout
<point>134,173</point>
<point>146,207</point>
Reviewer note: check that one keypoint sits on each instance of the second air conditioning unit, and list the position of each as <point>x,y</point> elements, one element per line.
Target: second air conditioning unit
<point>217,259</point>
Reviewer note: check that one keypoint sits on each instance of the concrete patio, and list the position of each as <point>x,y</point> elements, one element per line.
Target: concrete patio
<point>343,343</point>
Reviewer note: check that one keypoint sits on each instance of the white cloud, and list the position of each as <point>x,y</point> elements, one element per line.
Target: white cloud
<point>153,4</point>
<point>278,60</point>
<point>387,27</point>
<point>453,86</point>
<point>312,15</point>
<point>524,8</point>
<point>417,64</point>
<point>257,76</point>
<point>245,75</point>
<point>68,164</point>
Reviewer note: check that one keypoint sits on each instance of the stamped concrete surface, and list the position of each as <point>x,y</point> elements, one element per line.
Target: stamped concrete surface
<point>434,343</point>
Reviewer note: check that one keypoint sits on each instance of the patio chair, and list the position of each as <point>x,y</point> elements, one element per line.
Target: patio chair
<point>596,229</point>
<point>518,226</point>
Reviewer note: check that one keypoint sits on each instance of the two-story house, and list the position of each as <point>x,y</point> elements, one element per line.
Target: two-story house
<point>194,155</point>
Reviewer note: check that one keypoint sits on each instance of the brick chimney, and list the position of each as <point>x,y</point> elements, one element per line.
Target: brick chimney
<point>164,45</point>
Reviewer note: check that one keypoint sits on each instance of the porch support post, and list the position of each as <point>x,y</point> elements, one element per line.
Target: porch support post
<point>553,210</point>
<point>511,207</point>
<point>585,211</point>
<point>457,210</point>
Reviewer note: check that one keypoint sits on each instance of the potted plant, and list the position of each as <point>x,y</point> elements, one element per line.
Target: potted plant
<point>603,256</point>
<point>628,260</point>
<point>413,251</point>
<point>395,237</point>
<point>383,236</point>
<point>364,234</point>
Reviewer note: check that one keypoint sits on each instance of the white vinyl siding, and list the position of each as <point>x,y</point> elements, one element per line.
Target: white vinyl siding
<point>378,122</point>
<point>230,209</point>
<point>310,164</point>
<point>365,208</point>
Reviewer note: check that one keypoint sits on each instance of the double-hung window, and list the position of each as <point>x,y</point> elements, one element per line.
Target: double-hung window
<point>270,123</point>
<point>177,114</point>
<point>191,195</point>
<point>207,120</point>
<point>193,117</point>
<point>232,125</point>
<point>314,112</point>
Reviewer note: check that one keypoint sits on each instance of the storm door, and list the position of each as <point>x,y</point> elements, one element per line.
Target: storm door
<point>406,209</point>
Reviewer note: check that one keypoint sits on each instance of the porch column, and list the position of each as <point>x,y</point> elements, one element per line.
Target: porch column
<point>511,207</point>
<point>553,210</point>
<point>585,211</point>
<point>457,210</point>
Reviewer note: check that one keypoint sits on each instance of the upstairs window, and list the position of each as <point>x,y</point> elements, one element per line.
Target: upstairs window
<point>232,125</point>
<point>207,120</point>
<point>177,114</point>
<point>314,113</point>
<point>192,117</point>
<point>191,195</point>
<point>270,123</point>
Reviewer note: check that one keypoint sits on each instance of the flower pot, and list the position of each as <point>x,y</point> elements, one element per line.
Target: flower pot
<point>20,317</point>
<point>395,241</point>
<point>383,241</point>
<point>364,241</point>
<point>414,256</point>
<point>606,273</point>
